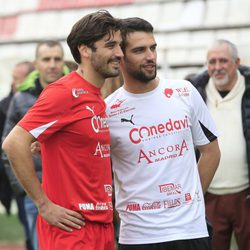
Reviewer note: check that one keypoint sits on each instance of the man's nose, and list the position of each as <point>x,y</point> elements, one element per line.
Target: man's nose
<point>52,63</point>
<point>118,52</point>
<point>150,55</point>
<point>218,65</point>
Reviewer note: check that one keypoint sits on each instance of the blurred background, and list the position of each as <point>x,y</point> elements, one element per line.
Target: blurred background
<point>183,30</point>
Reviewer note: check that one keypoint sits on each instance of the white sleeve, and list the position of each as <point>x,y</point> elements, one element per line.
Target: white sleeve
<point>203,127</point>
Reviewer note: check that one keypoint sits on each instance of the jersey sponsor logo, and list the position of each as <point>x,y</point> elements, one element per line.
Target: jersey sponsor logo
<point>128,120</point>
<point>133,207</point>
<point>97,206</point>
<point>108,189</point>
<point>102,150</point>
<point>172,203</point>
<point>99,124</point>
<point>163,153</point>
<point>197,195</point>
<point>168,92</point>
<point>120,111</point>
<point>137,135</point>
<point>86,206</point>
<point>183,91</point>
<point>170,188</point>
<point>117,104</point>
<point>188,197</point>
<point>101,206</point>
<point>76,92</point>
<point>90,109</point>
<point>151,205</point>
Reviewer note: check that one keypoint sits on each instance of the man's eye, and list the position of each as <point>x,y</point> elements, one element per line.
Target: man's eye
<point>221,61</point>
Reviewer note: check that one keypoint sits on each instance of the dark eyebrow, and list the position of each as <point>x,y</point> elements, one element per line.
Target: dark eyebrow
<point>109,43</point>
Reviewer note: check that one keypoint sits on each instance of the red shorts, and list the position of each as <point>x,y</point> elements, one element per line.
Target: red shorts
<point>93,236</point>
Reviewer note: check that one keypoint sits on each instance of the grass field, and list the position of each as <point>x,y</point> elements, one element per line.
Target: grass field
<point>10,229</point>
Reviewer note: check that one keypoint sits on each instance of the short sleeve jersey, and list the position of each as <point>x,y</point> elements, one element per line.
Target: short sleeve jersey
<point>69,120</point>
<point>158,190</point>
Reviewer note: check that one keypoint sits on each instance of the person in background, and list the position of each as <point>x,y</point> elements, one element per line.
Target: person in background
<point>69,120</point>
<point>225,87</point>
<point>154,124</point>
<point>49,67</point>
<point>19,73</point>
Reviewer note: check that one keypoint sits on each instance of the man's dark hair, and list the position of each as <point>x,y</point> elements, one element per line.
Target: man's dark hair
<point>134,24</point>
<point>90,29</point>
<point>49,43</point>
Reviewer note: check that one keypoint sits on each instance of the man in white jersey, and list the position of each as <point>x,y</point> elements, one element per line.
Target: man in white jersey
<point>69,120</point>
<point>154,125</point>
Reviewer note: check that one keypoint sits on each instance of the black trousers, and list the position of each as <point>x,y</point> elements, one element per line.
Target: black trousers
<point>193,244</point>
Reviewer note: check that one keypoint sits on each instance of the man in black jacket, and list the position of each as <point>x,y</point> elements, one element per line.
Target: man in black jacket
<point>225,87</point>
<point>49,64</point>
<point>19,73</point>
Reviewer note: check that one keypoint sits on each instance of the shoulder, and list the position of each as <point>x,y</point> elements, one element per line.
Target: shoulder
<point>58,88</point>
<point>22,98</point>
<point>112,97</point>
<point>244,70</point>
<point>176,85</point>
<point>200,79</point>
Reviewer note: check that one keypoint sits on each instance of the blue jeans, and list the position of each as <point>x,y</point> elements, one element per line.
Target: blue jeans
<point>31,215</point>
<point>23,219</point>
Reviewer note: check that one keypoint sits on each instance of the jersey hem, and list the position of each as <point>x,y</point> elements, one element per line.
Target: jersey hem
<point>148,240</point>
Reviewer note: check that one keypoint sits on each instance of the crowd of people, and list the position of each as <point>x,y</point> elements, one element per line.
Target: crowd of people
<point>152,166</point>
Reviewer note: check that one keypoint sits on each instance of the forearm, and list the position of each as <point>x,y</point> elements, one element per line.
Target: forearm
<point>17,146</point>
<point>208,163</point>
<point>17,149</point>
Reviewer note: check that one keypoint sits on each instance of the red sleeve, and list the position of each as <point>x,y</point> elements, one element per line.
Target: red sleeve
<point>49,113</point>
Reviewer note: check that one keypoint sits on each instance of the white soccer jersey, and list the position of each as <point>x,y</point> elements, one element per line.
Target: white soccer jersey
<point>158,191</point>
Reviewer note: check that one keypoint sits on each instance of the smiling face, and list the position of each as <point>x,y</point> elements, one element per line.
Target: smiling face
<point>106,56</point>
<point>222,66</point>
<point>140,56</point>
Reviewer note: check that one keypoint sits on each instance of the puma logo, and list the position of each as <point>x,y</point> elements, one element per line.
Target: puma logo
<point>126,120</point>
<point>90,109</point>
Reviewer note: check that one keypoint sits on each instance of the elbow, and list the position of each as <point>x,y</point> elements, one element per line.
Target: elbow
<point>6,145</point>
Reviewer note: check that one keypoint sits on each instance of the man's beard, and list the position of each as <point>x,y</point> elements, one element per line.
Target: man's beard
<point>143,77</point>
<point>220,82</point>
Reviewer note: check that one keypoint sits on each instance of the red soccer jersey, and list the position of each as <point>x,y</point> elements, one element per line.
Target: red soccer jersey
<point>69,120</point>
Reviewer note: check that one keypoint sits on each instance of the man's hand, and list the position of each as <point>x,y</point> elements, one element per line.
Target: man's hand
<point>60,217</point>
<point>35,148</point>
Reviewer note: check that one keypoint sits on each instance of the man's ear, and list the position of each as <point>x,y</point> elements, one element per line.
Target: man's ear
<point>84,50</point>
<point>238,61</point>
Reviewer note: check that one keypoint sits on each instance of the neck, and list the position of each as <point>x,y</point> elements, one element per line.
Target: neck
<point>43,84</point>
<point>92,77</point>
<point>139,87</point>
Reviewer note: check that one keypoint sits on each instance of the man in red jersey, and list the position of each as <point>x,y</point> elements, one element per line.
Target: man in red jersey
<point>69,120</point>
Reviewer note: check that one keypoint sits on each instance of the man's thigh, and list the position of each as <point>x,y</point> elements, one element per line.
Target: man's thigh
<point>193,244</point>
